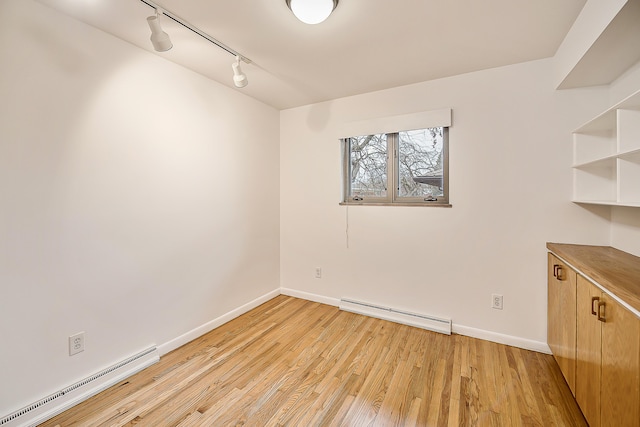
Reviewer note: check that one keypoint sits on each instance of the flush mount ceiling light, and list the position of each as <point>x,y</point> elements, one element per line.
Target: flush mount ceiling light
<point>160,40</point>
<point>239,78</point>
<point>162,43</point>
<point>312,11</point>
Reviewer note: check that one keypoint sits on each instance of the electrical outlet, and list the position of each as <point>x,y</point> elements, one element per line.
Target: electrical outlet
<point>76,343</point>
<point>318,273</point>
<point>496,301</point>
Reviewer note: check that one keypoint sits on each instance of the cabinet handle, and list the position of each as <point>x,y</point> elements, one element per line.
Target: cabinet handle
<point>593,306</point>
<point>559,275</point>
<point>555,270</point>
<point>601,314</point>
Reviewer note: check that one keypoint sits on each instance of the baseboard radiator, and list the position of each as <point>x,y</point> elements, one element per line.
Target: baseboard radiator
<point>54,404</point>
<point>432,323</point>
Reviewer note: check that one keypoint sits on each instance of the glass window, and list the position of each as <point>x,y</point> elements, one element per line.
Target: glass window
<point>421,163</point>
<point>368,166</point>
<point>407,167</point>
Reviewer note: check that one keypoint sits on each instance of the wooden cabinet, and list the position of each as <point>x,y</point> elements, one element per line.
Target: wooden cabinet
<point>620,389</point>
<point>588,351</point>
<point>561,325</point>
<point>608,359</point>
<point>607,331</point>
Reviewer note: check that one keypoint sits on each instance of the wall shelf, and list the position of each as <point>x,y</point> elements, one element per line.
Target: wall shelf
<point>606,149</point>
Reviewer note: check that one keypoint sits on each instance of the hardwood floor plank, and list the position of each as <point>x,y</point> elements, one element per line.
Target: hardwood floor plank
<point>297,363</point>
<point>366,405</point>
<point>456,373</point>
<point>435,416</point>
<point>397,402</point>
<point>414,410</point>
<point>344,353</point>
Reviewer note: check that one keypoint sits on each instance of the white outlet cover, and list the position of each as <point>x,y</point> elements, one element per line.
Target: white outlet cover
<point>76,343</point>
<point>497,301</point>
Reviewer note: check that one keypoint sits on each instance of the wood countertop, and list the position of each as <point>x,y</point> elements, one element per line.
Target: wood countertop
<point>615,271</point>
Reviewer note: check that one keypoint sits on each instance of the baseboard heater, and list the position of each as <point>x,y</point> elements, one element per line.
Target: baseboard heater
<point>67,397</point>
<point>432,323</point>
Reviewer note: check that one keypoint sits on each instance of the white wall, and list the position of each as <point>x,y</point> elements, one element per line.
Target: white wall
<point>138,200</point>
<point>510,180</point>
<point>625,225</point>
<point>594,18</point>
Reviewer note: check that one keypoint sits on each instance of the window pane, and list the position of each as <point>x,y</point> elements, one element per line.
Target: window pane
<point>368,156</point>
<point>421,163</point>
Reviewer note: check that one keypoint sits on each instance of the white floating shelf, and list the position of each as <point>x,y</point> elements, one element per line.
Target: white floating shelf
<point>607,157</point>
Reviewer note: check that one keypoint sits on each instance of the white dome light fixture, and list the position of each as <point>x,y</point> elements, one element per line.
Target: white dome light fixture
<point>312,11</point>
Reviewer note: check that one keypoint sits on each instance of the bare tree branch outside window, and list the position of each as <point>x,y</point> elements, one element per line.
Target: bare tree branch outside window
<point>420,157</point>
<point>369,165</point>
<point>400,167</point>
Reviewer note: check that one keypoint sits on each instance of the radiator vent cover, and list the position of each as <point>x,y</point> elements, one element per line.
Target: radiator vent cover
<point>62,400</point>
<point>432,323</point>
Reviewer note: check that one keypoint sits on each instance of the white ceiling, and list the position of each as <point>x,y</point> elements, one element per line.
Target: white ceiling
<point>364,46</point>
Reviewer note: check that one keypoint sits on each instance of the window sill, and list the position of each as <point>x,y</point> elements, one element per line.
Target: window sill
<point>414,204</point>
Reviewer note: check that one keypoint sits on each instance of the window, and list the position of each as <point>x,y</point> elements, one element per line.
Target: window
<point>406,167</point>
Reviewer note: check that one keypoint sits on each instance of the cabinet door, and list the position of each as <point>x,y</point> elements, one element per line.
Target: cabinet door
<point>561,322</point>
<point>620,389</point>
<point>588,350</point>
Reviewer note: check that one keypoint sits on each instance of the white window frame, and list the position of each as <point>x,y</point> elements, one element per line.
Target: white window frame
<point>392,197</point>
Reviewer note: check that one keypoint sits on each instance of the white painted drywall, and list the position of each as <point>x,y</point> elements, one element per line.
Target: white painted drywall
<point>626,85</point>
<point>510,176</point>
<point>594,18</point>
<point>138,200</point>
<point>625,222</point>
<point>625,229</point>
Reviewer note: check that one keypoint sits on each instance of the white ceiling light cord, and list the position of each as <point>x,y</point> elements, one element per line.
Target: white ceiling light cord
<point>347,227</point>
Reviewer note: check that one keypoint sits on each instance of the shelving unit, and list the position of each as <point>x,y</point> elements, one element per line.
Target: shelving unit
<point>606,168</point>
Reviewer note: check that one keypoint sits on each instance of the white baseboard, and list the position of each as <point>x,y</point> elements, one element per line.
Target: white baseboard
<point>211,325</point>
<point>526,344</point>
<point>53,405</point>
<point>513,341</point>
<point>56,403</point>
<point>310,297</point>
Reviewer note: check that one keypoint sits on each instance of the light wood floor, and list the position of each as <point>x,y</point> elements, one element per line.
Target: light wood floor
<point>292,362</point>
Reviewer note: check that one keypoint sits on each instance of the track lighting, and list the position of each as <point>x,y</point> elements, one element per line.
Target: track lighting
<point>162,43</point>
<point>312,11</point>
<point>160,40</point>
<point>239,78</point>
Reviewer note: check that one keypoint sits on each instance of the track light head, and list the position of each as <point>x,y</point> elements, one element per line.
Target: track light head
<point>160,40</point>
<point>239,78</point>
<point>312,11</point>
